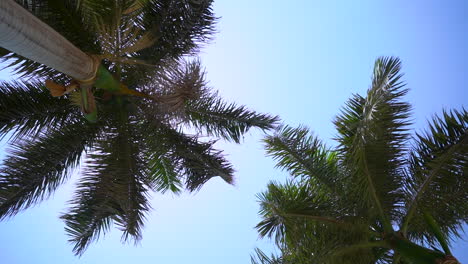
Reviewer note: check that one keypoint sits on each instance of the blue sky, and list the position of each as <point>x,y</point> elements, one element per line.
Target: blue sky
<point>297,59</point>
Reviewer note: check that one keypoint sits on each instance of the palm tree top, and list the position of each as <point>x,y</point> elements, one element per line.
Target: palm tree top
<point>148,94</point>
<point>381,195</point>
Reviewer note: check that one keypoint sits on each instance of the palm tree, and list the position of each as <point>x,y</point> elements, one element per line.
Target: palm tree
<point>146,109</point>
<point>380,196</point>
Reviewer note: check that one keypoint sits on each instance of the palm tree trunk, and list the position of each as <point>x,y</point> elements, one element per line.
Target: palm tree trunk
<point>24,34</point>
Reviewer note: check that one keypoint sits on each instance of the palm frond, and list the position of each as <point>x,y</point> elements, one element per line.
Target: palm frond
<point>113,189</point>
<point>310,224</point>
<point>372,134</point>
<point>438,186</point>
<point>262,258</point>
<point>92,213</point>
<point>201,162</point>
<point>273,223</point>
<point>193,160</point>
<point>27,108</point>
<point>180,27</point>
<point>24,67</point>
<point>303,155</point>
<point>164,173</point>
<point>128,162</point>
<point>36,166</point>
<point>282,205</point>
<point>164,169</point>
<point>175,84</point>
<point>226,120</point>
<point>197,162</point>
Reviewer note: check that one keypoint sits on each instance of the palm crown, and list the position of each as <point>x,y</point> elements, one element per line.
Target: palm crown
<point>139,140</point>
<point>380,196</point>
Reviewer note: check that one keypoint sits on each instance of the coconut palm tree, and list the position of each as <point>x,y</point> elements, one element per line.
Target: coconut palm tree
<point>381,195</point>
<point>124,65</point>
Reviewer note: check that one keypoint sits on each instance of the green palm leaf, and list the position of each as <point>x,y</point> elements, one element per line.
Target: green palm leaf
<point>36,167</point>
<point>372,135</point>
<point>310,224</point>
<point>195,161</point>
<point>164,173</point>
<point>229,121</point>
<point>438,185</point>
<point>303,155</point>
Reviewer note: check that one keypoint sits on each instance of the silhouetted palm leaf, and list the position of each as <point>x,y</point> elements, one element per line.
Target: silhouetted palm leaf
<point>36,166</point>
<point>26,108</point>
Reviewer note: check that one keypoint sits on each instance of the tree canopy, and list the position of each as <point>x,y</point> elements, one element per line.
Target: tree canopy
<point>381,195</point>
<point>144,116</point>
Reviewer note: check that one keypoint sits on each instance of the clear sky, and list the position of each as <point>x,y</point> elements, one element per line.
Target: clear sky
<point>300,60</point>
